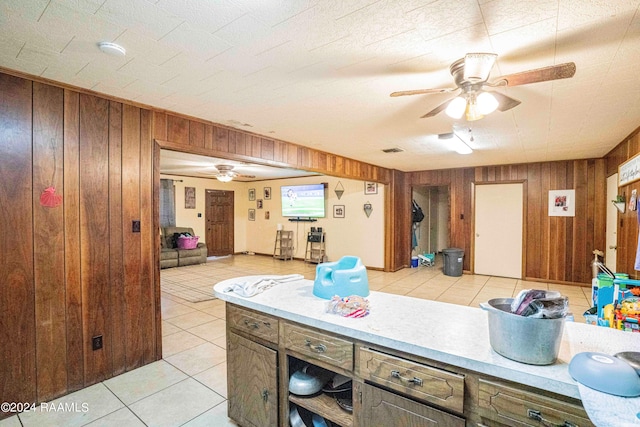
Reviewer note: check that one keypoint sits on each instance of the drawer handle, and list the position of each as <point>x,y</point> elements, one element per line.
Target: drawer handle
<point>265,395</point>
<point>537,415</point>
<point>254,325</point>
<point>414,380</point>
<point>318,348</point>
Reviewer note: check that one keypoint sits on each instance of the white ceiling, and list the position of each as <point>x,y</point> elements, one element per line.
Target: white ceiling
<point>319,72</point>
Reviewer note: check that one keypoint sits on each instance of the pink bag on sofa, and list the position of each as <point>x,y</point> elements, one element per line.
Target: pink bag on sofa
<point>187,242</point>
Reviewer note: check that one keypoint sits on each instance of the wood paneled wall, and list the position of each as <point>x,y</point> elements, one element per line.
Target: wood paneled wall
<point>72,272</point>
<point>628,221</point>
<point>556,249</point>
<point>397,222</point>
<point>183,134</point>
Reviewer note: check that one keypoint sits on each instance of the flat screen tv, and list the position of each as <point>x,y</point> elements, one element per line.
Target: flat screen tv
<point>303,201</point>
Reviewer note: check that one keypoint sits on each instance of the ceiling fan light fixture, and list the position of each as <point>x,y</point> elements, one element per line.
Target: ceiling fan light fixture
<point>456,107</point>
<point>224,178</point>
<point>486,103</point>
<point>477,66</point>
<point>472,112</point>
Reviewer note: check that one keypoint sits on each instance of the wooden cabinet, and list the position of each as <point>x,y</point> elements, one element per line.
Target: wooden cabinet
<point>502,404</point>
<point>253,323</point>
<point>252,382</point>
<point>317,345</point>
<point>333,353</point>
<point>389,387</point>
<point>381,408</point>
<point>413,379</point>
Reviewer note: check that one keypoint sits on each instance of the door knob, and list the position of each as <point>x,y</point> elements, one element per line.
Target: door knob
<point>613,247</point>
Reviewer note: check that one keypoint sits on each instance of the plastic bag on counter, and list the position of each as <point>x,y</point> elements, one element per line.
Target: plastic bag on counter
<point>539,303</point>
<point>547,308</point>
<point>352,306</point>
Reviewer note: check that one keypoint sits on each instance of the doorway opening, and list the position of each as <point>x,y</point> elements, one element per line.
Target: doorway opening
<point>431,235</point>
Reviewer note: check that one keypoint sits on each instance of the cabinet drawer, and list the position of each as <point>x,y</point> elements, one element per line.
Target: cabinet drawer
<point>259,325</point>
<point>515,407</point>
<point>320,346</point>
<point>381,408</point>
<point>419,381</point>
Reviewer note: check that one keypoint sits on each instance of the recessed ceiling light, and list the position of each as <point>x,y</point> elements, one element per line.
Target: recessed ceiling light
<point>112,48</point>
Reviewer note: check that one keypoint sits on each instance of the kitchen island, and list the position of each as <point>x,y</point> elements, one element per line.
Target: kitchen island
<point>401,349</point>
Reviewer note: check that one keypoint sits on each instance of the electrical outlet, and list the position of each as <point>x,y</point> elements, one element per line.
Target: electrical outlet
<point>135,226</point>
<point>96,342</point>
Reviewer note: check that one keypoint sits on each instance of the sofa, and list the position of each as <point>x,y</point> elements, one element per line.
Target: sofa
<point>172,256</point>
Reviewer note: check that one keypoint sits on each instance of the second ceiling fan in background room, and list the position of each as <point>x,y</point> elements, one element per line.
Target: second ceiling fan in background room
<point>471,75</point>
<point>226,173</point>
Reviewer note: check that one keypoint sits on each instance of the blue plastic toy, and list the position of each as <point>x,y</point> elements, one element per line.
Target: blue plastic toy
<point>345,277</point>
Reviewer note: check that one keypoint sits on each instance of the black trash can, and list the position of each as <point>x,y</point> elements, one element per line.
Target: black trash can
<point>453,258</point>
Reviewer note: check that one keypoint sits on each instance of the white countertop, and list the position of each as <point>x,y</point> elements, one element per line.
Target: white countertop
<point>448,333</point>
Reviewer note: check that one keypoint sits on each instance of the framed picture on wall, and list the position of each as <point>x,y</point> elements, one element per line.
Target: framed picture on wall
<point>267,193</point>
<point>252,214</point>
<point>189,197</point>
<point>370,187</point>
<point>252,194</point>
<point>338,211</point>
<point>562,203</point>
<point>259,204</point>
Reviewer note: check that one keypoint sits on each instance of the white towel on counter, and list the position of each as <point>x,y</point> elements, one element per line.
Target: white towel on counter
<point>258,285</point>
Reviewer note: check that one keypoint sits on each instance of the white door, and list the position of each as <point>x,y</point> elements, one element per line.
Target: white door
<point>612,223</point>
<point>498,230</point>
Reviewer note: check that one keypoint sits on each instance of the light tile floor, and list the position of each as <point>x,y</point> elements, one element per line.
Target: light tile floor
<point>188,387</point>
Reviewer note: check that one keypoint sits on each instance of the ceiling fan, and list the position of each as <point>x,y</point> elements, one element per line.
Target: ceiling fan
<point>471,75</point>
<point>226,173</point>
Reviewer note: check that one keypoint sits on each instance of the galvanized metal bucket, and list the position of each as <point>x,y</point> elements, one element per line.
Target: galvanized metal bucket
<point>523,339</point>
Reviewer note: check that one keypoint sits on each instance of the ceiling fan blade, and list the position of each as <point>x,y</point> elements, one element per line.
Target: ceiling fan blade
<point>505,102</point>
<point>554,72</point>
<point>422,91</point>
<point>438,109</point>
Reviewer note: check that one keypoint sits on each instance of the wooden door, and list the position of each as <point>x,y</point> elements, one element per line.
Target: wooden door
<point>498,229</point>
<point>381,408</point>
<point>252,393</point>
<point>219,218</point>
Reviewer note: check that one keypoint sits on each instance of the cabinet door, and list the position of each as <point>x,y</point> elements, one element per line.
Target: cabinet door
<point>252,382</point>
<point>381,408</point>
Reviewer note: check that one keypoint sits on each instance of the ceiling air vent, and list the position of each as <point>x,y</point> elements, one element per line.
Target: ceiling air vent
<point>393,150</point>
